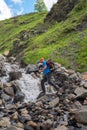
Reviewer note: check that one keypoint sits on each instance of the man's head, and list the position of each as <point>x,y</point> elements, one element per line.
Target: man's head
<point>41,60</point>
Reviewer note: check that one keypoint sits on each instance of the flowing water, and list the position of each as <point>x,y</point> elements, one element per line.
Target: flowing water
<point>28,84</point>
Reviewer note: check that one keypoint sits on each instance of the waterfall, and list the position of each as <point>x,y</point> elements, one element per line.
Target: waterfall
<point>28,84</point>
<point>29,87</point>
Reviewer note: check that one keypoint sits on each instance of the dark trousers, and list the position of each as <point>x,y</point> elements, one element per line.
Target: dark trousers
<point>46,78</point>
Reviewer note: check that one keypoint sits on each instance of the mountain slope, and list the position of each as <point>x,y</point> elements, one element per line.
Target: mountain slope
<point>36,35</point>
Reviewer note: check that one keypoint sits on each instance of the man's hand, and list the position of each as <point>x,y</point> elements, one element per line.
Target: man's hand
<point>40,70</point>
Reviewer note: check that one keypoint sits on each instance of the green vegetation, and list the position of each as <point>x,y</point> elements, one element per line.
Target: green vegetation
<point>40,6</point>
<point>65,42</point>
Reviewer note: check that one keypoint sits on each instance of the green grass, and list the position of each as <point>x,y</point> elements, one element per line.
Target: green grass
<point>61,41</point>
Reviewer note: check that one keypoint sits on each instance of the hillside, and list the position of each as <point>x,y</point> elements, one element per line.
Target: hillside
<point>60,34</point>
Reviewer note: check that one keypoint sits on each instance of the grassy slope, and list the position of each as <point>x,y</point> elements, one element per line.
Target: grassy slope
<point>61,42</point>
<point>10,28</point>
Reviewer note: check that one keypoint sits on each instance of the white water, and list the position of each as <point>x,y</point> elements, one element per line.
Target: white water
<point>28,85</point>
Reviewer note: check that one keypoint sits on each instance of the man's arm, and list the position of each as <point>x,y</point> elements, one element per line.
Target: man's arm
<point>44,67</point>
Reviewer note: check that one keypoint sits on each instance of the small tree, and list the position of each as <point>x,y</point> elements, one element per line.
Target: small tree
<point>40,6</point>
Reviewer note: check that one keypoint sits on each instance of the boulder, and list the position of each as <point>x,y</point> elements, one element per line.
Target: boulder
<point>15,75</point>
<point>81,93</point>
<point>81,115</point>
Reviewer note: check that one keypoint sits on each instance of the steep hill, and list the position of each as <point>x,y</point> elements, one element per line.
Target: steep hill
<point>61,35</point>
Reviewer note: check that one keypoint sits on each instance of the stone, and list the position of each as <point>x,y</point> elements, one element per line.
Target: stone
<point>19,125</point>
<point>24,111</point>
<point>28,127</point>
<point>15,116</point>
<point>71,96</point>
<point>84,76</point>
<point>6,53</point>
<point>5,121</point>
<point>15,75</point>
<point>61,128</point>
<point>9,91</point>
<point>31,123</point>
<point>85,85</point>
<point>2,58</point>
<point>5,97</point>
<point>39,104</point>
<point>19,96</point>
<point>1,85</point>
<point>0,102</point>
<point>85,102</point>
<point>54,102</point>
<point>81,92</point>
<point>81,115</point>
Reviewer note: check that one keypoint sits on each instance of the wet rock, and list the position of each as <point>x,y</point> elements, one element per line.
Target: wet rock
<point>2,71</point>
<point>31,68</point>
<point>14,75</point>
<point>15,86</point>
<point>23,64</point>
<point>12,59</point>
<point>19,96</point>
<point>41,95</point>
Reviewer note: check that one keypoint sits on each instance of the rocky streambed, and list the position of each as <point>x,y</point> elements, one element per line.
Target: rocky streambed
<point>20,109</point>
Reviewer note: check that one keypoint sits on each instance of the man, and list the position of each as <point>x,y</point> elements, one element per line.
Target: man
<point>46,75</point>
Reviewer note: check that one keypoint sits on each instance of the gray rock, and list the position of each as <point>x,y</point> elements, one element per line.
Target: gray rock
<point>81,92</point>
<point>54,102</point>
<point>81,115</point>
<point>14,75</point>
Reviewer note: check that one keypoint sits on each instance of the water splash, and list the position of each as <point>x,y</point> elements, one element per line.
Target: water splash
<point>28,84</point>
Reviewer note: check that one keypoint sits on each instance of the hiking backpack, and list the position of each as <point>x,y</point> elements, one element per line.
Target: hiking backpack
<point>50,64</point>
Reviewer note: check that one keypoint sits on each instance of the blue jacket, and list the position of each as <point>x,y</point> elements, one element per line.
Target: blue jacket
<point>47,70</point>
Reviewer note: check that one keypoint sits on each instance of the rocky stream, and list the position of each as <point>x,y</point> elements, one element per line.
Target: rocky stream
<point>21,109</point>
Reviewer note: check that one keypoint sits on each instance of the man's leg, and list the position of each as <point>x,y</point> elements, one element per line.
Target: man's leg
<point>42,83</point>
<point>48,76</point>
